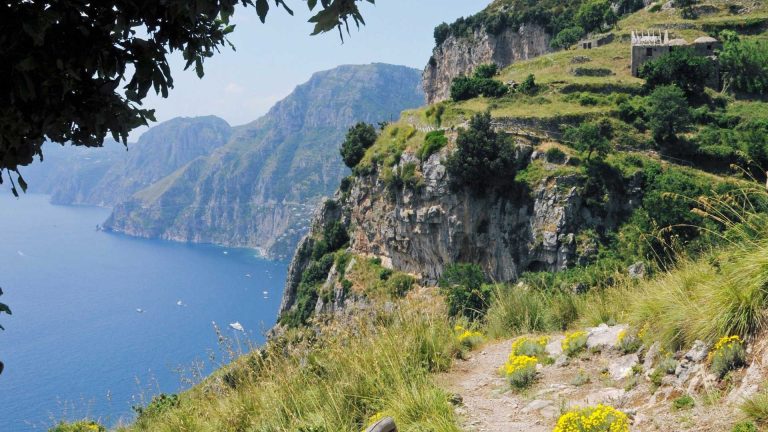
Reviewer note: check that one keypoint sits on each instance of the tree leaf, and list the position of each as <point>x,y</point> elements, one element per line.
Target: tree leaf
<point>262,7</point>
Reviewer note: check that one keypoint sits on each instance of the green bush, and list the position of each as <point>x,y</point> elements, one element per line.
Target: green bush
<point>744,64</point>
<point>433,143</point>
<point>464,88</point>
<point>358,139</point>
<point>668,113</point>
<point>528,86</point>
<point>594,14</point>
<point>400,284</point>
<point>79,426</point>
<point>590,138</point>
<point>483,157</point>
<point>567,37</point>
<point>744,426</point>
<point>729,354</point>
<point>555,155</point>
<point>158,405</point>
<point>683,68</point>
<point>756,407</point>
<point>466,294</point>
<point>683,402</point>
<point>489,70</point>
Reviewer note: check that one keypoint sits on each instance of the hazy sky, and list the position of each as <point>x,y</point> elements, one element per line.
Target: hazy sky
<point>273,58</point>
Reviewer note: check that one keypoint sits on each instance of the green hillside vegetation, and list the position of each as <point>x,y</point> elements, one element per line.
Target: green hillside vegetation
<point>698,160</point>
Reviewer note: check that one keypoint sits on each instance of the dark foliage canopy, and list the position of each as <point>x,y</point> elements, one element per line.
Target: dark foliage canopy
<point>483,158</point>
<point>683,68</point>
<point>359,138</point>
<point>77,71</point>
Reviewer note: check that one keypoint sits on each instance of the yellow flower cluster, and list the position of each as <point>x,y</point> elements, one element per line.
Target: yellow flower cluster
<point>602,418</point>
<point>519,363</point>
<point>529,346</point>
<point>467,338</point>
<point>643,331</point>
<point>574,342</point>
<point>621,336</point>
<point>727,341</point>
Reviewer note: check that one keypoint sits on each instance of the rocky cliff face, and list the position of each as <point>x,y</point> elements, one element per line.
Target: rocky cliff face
<point>260,189</point>
<point>542,227</point>
<point>458,56</point>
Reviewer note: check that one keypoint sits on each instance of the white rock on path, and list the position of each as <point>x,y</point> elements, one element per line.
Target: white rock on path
<point>604,336</point>
<point>622,367</point>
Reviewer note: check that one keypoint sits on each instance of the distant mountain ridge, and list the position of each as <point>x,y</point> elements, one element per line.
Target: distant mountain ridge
<point>260,188</point>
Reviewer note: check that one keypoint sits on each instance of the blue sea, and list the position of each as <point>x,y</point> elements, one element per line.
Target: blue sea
<point>77,345</point>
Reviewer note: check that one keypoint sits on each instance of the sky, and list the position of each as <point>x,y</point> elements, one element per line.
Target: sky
<point>272,59</point>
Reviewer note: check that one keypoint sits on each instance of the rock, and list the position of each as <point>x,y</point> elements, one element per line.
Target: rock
<point>698,352</point>
<point>622,367</point>
<point>456,399</point>
<point>651,356</point>
<point>458,56</point>
<point>604,336</point>
<point>537,405</point>
<point>555,347</point>
<point>611,396</point>
<point>561,361</point>
<point>637,270</point>
<point>690,360</point>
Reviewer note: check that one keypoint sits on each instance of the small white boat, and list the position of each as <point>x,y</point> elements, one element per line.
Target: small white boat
<point>180,303</point>
<point>265,292</point>
<point>225,253</point>
<point>248,275</point>
<point>139,310</point>
<point>237,326</point>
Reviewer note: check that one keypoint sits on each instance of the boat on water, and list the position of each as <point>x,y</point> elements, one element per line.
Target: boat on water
<point>139,310</point>
<point>237,326</point>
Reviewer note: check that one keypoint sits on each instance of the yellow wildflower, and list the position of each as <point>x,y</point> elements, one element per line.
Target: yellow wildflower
<point>727,340</point>
<point>602,418</point>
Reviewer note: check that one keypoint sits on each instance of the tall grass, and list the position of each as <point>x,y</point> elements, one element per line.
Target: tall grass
<point>333,383</point>
<point>721,292</point>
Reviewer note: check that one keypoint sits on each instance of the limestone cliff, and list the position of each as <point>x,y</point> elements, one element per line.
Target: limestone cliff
<point>544,226</point>
<point>460,55</point>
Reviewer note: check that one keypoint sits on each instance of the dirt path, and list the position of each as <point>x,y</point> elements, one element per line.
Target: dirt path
<point>489,404</point>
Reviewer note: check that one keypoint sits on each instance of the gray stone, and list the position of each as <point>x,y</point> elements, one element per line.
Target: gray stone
<point>604,336</point>
<point>637,270</point>
<point>561,361</point>
<point>651,356</point>
<point>555,347</point>
<point>622,367</point>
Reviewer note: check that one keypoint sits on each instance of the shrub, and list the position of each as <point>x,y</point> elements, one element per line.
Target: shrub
<point>574,343</point>
<point>400,284</point>
<point>727,355</point>
<point>359,138</point>
<point>468,338</point>
<point>756,407</point>
<point>590,138</point>
<point>593,14</point>
<point>601,418</point>
<point>745,64</point>
<point>532,347</point>
<point>79,426</point>
<point>555,155</point>
<point>158,405</point>
<point>486,70</point>
<point>683,402</point>
<point>441,33</point>
<point>628,343</point>
<point>567,37</point>
<point>744,426</point>
<point>682,68</point>
<point>463,88</point>
<point>520,371</point>
<point>433,143</point>
<point>668,113</point>
<point>528,86</point>
<point>517,310</point>
<point>465,291</point>
<point>483,157</point>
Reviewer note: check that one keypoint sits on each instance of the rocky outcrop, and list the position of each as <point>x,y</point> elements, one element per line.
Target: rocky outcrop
<point>458,56</point>
<point>420,231</point>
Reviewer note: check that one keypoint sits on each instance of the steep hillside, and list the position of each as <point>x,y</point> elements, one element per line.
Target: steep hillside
<point>108,175</point>
<point>261,188</point>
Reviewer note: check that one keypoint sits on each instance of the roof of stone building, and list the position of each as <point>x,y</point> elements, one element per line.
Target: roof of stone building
<point>677,42</point>
<point>705,39</point>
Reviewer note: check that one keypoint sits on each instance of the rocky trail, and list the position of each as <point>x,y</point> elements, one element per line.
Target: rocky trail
<point>600,375</point>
